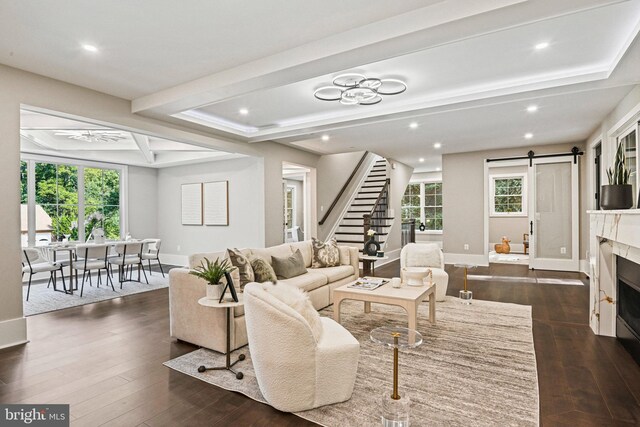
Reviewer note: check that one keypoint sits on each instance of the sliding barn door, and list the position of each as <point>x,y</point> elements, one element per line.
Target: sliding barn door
<point>554,214</point>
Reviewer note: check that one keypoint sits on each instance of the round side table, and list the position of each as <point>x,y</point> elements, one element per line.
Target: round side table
<point>229,306</point>
<point>396,409</point>
<point>465,295</point>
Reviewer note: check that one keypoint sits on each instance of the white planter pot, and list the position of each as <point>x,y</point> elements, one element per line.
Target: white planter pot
<point>214,291</point>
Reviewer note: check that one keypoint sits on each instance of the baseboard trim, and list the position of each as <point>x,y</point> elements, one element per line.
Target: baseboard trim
<point>584,267</point>
<point>475,259</point>
<point>174,259</point>
<point>13,332</point>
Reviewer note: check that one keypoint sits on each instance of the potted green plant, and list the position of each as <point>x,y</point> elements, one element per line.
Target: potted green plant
<point>212,273</point>
<point>619,193</point>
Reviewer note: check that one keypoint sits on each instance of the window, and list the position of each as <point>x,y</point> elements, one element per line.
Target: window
<point>24,212</point>
<point>423,202</point>
<point>102,201</point>
<point>432,206</point>
<point>411,203</point>
<point>631,153</point>
<point>508,195</point>
<point>58,210</point>
<point>57,195</point>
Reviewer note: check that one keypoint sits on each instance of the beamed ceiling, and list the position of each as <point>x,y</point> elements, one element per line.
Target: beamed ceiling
<point>472,67</point>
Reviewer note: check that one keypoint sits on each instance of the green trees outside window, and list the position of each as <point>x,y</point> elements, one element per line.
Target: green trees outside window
<point>102,195</point>
<point>423,202</point>
<point>57,193</point>
<point>508,195</point>
<point>411,203</point>
<point>57,190</point>
<point>23,183</point>
<point>433,206</point>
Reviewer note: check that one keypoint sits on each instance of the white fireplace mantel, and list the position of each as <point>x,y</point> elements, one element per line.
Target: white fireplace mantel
<point>611,234</point>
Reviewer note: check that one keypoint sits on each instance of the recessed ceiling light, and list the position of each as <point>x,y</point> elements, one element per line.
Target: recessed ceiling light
<point>532,108</point>
<point>243,111</point>
<point>89,48</point>
<point>438,169</point>
<point>542,45</point>
<point>325,138</point>
<point>421,159</point>
<point>528,135</point>
<point>413,125</point>
<point>437,145</point>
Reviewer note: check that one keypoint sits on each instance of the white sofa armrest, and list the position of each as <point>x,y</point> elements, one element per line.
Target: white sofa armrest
<point>194,323</point>
<point>354,260</point>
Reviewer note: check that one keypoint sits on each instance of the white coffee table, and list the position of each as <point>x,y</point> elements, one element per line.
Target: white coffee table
<point>407,297</point>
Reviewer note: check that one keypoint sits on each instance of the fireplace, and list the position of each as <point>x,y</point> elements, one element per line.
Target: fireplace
<point>628,306</point>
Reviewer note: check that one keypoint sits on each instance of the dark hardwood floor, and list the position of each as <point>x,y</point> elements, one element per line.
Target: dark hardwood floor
<point>105,359</point>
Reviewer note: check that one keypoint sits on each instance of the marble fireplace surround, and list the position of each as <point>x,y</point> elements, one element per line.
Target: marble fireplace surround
<point>611,233</point>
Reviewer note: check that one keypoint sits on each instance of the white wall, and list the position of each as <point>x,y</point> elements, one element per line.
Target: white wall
<point>333,172</point>
<point>399,177</point>
<point>463,199</point>
<point>246,208</point>
<point>142,202</point>
<point>274,155</point>
<point>426,177</point>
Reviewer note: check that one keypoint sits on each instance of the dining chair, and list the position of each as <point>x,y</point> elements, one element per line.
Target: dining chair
<point>33,262</point>
<point>151,252</point>
<point>92,257</point>
<point>129,255</point>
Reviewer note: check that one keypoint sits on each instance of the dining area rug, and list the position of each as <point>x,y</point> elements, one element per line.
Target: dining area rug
<point>475,367</point>
<point>43,299</point>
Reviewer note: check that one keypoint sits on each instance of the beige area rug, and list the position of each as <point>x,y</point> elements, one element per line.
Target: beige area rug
<point>476,367</point>
<point>43,299</point>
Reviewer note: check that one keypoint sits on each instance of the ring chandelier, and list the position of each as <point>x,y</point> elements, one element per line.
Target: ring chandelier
<point>356,89</point>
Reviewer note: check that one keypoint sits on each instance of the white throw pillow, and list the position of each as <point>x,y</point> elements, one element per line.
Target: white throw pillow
<point>298,300</point>
<point>423,255</point>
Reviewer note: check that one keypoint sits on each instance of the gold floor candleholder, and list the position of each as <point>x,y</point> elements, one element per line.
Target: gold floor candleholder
<point>396,408</point>
<point>466,296</point>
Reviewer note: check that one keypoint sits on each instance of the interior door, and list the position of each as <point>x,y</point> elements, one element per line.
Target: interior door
<point>554,214</point>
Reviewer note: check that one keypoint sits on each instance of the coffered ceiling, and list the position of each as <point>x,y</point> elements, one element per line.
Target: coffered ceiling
<point>48,135</point>
<point>246,70</point>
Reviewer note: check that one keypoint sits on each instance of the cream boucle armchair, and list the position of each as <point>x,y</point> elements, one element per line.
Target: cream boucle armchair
<point>294,371</point>
<point>416,257</point>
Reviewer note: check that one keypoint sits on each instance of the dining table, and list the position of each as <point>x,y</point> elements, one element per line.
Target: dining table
<point>71,248</point>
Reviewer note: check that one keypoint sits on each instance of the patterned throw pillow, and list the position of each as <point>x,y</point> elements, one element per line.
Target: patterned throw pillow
<point>291,266</point>
<point>262,270</point>
<point>244,266</point>
<point>325,254</point>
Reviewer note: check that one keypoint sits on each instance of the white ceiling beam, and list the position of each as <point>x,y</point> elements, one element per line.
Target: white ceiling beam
<point>431,26</point>
<point>439,106</point>
<point>344,50</point>
<point>143,144</point>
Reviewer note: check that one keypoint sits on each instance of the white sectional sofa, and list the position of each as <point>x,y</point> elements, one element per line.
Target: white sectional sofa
<point>206,327</point>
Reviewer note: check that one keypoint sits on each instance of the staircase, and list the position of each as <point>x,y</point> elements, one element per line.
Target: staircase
<point>368,210</point>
